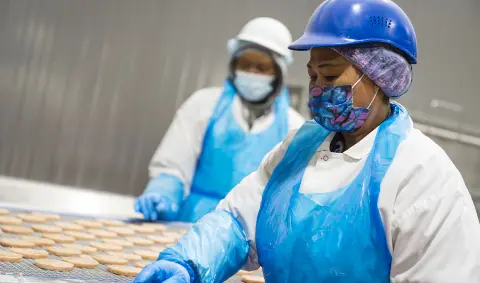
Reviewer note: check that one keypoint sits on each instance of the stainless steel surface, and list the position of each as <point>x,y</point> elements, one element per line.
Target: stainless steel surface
<point>26,194</point>
<point>88,88</point>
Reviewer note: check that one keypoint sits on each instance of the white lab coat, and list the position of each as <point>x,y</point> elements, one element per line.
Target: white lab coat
<point>432,229</point>
<point>182,144</point>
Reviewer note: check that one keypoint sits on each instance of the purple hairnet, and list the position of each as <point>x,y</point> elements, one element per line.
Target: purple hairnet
<point>386,68</point>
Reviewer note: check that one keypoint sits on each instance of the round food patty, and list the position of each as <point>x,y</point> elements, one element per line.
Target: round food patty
<point>30,253</point>
<point>124,270</point>
<point>53,264</point>
<point>6,256</point>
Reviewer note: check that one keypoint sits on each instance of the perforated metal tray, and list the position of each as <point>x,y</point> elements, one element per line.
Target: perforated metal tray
<point>27,269</point>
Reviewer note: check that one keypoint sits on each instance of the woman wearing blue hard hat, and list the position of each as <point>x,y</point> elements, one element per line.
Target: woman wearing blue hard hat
<point>357,195</point>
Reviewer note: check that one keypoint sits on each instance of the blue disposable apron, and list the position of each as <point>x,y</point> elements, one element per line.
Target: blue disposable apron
<point>229,154</point>
<point>334,237</point>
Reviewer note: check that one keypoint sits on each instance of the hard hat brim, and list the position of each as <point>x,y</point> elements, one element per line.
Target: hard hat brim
<point>309,41</point>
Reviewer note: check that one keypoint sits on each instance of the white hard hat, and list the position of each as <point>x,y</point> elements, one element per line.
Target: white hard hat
<point>268,33</point>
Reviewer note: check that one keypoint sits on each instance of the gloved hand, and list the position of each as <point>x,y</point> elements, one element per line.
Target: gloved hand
<point>154,206</point>
<point>163,271</point>
<point>162,198</point>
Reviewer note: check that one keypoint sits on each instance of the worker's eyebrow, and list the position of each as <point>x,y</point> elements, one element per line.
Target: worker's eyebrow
<point>325,64</point>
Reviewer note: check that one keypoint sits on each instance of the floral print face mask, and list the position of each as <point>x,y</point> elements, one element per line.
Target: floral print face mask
<point>332,107</point>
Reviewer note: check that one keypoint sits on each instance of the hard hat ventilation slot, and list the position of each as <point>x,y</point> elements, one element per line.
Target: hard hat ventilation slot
<point>380,21</point>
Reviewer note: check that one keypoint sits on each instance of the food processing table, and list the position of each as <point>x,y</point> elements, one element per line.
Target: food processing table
<point>70,204</point>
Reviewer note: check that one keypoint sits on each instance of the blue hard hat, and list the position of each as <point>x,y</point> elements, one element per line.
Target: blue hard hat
<point>337,23</point>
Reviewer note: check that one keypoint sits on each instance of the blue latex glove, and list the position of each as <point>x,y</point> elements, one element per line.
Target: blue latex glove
<point>163,271</point>
<point>154,206</point>
<point>216,247</point>
<point>162,198</point>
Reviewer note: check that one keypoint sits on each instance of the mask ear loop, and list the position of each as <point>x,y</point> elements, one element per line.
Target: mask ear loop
<point>373,98</point>
<point>353,86</point>
<point>375,95</point>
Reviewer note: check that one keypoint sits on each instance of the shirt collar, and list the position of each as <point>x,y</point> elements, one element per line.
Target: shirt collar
<point>325,146</point>
<point>358,151</point>
<point>363,147</point>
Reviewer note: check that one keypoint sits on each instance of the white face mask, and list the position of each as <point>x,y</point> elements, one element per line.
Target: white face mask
<point>253,87</point>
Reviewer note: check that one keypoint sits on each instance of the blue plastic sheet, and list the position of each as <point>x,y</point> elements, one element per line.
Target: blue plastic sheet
<point>328,237</point>
<point>214,248</point>
<point>229,154</point>
<point>169,186</point>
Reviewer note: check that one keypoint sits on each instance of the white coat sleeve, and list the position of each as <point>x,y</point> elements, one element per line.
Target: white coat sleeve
<point>181,146</point>
<point>436,237</point>
<point>243,202</point>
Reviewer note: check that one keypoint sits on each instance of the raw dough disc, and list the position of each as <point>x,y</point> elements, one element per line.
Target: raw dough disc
<point>127,256</point>
<point>147,254</point>
<point>141,264</point>
<point>86,256</point>
<point>109,259</point>
<point>30,253</point>
<point>59,238</point>
<point>124,270</point>
<point>138,241</point>
<point>142,229</point>
<point>32,218</point>
<point>122,231</point>
<point>82,262</point>
<point>16,243</point>
<point>109,222</point>
<point>9,257</point>
<point>53,264</point>
<point>157,226</point>
<point>244,272</point>
<point>69,226</point>
<point>106,247</point>
<point>118,242</point>
<point>17,230</point>
<point>61,251</point>
<point>42,228</point>
<point>4,211</point>
<point>253,279</point>
<point>48,216</point>
<point>158,249</point>
<point>83,249</point>
<point>41,242</point>
<point>163,240</point>
<point>174,235</point>
<point>80,235</point>
<point>102,233</point>
<point>89,223</point>
<point>8,220</point>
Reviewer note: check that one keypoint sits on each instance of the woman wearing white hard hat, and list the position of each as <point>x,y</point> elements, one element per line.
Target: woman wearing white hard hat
<point>220,134</point>
<point>356,195</point>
